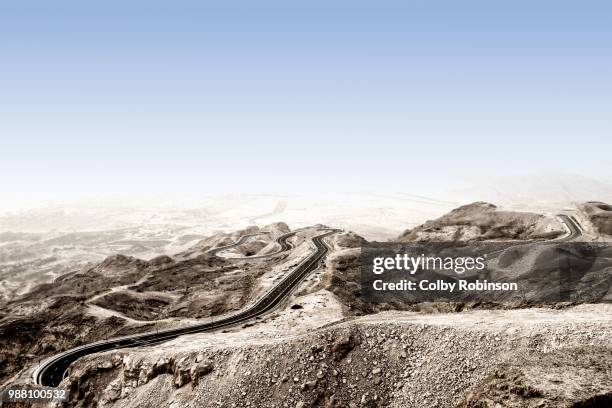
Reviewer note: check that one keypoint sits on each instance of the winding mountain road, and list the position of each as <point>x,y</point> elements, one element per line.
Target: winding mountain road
<point>573,228</point>
<point>281,241</point>
<point>53,370</point>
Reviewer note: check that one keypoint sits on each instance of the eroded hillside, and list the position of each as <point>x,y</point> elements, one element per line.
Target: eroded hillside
<point>483,221</point>
<point>324,345</point>
<point>124,295</point>
<point>523,358</point>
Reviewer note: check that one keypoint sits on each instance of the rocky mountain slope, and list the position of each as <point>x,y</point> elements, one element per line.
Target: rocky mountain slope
<point>123,294</point>
<point>600,215</point>
<point>325,346</point>
<point>523,358</point>
<point>483,221</point>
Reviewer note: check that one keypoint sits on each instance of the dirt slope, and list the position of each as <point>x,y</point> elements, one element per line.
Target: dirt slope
<point>523,358</point>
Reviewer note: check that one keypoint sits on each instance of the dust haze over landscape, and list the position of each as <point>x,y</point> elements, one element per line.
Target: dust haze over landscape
<point>193,198</point>
<point>79,274</point>
<point>43,243</point>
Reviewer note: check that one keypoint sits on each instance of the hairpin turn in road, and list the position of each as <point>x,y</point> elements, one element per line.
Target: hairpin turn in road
<point>52,371</point>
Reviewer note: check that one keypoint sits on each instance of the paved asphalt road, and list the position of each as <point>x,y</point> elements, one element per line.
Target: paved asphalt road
<point>572,225</point>
<point>282,242</point>
<point>51,371</point>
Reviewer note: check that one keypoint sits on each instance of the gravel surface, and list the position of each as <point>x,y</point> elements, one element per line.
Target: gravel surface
<point>502,358</point>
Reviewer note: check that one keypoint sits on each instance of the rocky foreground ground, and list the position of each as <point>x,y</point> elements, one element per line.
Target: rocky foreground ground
<point>519,358</point>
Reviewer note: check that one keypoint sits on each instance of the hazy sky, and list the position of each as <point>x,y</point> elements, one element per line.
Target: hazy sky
<point>104,97</point>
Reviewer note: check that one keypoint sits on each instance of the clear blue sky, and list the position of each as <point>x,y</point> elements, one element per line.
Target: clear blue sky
<point>116,96</point>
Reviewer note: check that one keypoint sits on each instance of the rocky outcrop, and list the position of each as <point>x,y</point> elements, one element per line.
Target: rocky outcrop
<point>277,228</point>
<point>162,260</point>
<point>348,240</point>
<point>120,262</point>
<point>343,279</point>
<point>600,215</point>
<point>136,372</point>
